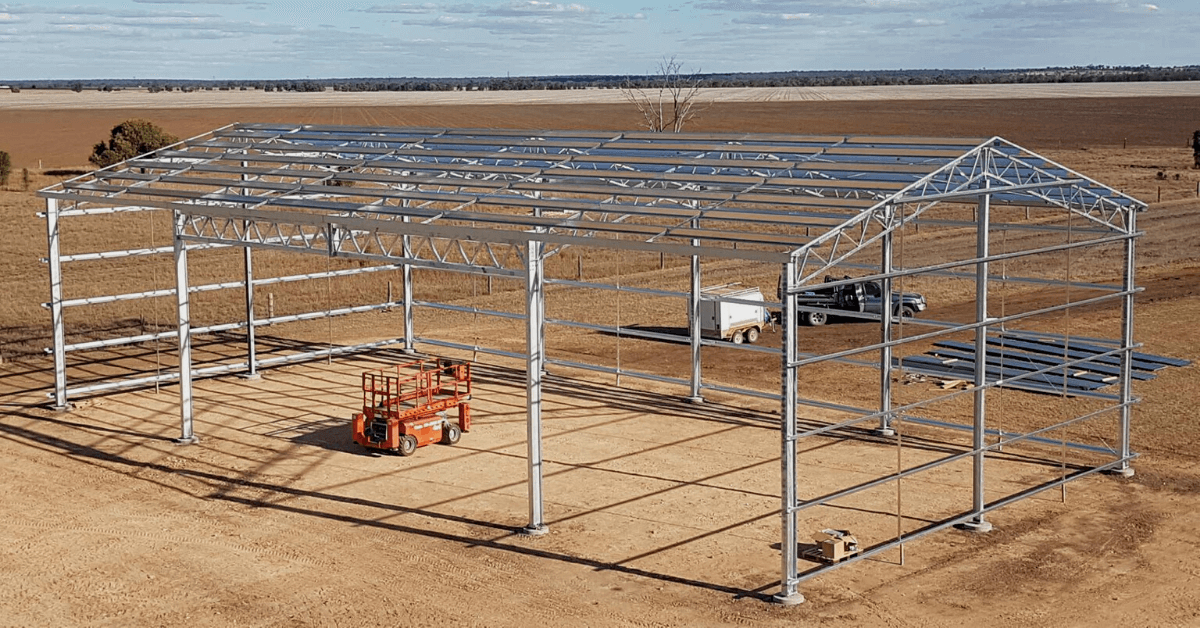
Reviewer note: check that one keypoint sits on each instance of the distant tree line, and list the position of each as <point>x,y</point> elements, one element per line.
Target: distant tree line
<point>825,78</point>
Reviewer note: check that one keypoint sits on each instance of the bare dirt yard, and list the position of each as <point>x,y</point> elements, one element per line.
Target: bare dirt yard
<point>661,512</point>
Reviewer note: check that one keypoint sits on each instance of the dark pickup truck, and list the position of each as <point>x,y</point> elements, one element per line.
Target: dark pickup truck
<point>864,297</point>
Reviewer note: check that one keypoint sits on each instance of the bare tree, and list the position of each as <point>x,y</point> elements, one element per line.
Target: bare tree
<point>669,101</point>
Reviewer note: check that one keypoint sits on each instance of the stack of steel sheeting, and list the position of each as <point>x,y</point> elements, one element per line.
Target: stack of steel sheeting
<point>1018,356</point>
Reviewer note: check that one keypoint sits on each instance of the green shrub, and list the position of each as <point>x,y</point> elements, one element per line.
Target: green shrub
<point>128,140</point>
<point>5,167</point>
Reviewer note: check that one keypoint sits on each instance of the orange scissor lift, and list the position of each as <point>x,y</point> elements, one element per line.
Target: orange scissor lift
<point>406,406</point>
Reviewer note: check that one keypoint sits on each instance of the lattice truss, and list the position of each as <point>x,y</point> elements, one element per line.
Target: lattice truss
<point>470,199</point>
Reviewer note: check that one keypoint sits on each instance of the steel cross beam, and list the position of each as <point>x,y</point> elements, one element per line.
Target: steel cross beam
<point>326,237</point>
<point>1110,209</point>
<point>333,234</point>
<point>859,232</point>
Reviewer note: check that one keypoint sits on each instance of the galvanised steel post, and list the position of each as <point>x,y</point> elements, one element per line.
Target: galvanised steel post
<point>186,434</point>
<point>56,308</point>
<point>885,335</point>
<point>788,594</point>
<point>251,351</point>
<point>408,294</point>
<point>694,324</point>
<point>534,372</point>
<point>1127,343</point>
<point>982,241</point>
<point>251,354</point>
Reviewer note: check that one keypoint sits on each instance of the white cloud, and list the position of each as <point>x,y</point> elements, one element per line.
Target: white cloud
<point>254,3</point>
<point>824,7</point>
<point>403,9</point>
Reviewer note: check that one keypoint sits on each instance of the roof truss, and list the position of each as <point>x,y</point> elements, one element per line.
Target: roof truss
<point>458,194</point>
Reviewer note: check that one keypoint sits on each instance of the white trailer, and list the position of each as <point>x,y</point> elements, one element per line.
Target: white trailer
<point>737,322</point>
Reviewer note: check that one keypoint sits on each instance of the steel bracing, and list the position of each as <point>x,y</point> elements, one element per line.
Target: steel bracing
<point>500,202</point>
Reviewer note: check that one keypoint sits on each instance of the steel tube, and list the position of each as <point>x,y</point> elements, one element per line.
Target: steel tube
<point>251,358</point>
<point>1037,281</point>
<point>745,392</point>
<point>88,257</point>
<point>56,307</point>
<point>885,335</point>
<point>221,369</point>
<point>1013,437</point>
<point>408,294</point>
<point>982,241</point>
<point>607,286</point>
<point>905,272</point>
<point>186,435</point>
<point>167,292</point>
<point>866,415</point>
<point>211,329</point>
<point>1127,343</point>
<point>615,371</point>
<point>468,310</point>
<point>969,194</point>
<point>472,348</point>
<point>694,394</point>
<point>788,548</point>
<point>955,521</point>
<point>653,335</point>
<point>534,371</point>
<point>950,328</point>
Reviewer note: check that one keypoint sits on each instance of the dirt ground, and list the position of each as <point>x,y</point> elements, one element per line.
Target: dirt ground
<point>661,513</point>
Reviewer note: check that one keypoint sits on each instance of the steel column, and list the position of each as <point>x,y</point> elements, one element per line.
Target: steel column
<point>885,336</point>
<point>1127,344</point>
<point>56,305</point>
<point>251,357</point>
<point>979,431</point>
<point>408,296</point>
<point>788,387</point>
<point>186,435</point>
<point>694,325</point>
<point>251,353</point>
<point>534,372</point>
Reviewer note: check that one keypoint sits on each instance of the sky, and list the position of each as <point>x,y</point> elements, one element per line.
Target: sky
<point>275,39</point>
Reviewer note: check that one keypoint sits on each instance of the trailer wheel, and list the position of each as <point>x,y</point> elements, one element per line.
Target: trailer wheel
<point>408,444</point>
<point>738,338</point>
<point>752,335</point>
<point>450,433</point>
<point>816,319</point>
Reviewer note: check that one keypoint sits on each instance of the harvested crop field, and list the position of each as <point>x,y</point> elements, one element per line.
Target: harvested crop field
<point>662,513</point>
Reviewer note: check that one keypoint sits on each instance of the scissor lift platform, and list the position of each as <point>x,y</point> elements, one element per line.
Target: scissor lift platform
<point>406,406</point>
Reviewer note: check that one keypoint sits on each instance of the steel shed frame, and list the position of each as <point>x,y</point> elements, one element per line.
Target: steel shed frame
<point>499,202</point>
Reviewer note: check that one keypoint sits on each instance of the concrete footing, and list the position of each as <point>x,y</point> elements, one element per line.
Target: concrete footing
<point>191,440</point>
<point>787,600</point>
<point>1127,472</point>
<point>978,527</point>
<point>533,530</point>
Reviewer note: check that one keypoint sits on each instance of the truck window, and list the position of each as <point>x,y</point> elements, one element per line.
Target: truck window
<point>872,288</point>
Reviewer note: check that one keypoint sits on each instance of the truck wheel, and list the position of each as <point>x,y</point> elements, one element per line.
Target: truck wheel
<point>907,312</point>
<point>816,319</point>
<point>408,444</point>
<point>450,434</point>
<point>752,335</point>
<point>738,338</point>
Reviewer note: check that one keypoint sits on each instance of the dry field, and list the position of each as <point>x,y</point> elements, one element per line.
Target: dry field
<point>661,513</point>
